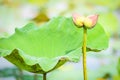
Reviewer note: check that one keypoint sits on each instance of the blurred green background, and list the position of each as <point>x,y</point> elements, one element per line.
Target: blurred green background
<point>104,65</point>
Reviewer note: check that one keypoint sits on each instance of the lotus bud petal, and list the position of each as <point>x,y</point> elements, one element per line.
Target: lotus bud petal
<point>90,21</point>
<point>78,20</point>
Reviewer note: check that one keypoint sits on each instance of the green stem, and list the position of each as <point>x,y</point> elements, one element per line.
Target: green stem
<point>84,53</point>
<point>20,74</point>
<point>44,76</point>
<point>118,66</point>
<point>35,77</point>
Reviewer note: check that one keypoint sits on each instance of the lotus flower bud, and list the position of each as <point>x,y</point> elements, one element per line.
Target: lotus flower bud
<point>90,21</point>
<point>78,20</point>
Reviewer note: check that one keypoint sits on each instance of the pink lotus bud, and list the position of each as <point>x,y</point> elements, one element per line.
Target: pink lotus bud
<point>78,20</point>
<point>90,21</point>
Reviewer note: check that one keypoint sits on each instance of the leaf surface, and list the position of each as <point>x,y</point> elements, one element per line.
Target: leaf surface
<point>45,48</point>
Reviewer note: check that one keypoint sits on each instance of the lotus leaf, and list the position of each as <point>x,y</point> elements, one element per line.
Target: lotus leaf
<point>41,49</point>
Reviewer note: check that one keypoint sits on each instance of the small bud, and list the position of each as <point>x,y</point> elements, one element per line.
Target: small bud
<point>90,21</point>
<point>78,20</point>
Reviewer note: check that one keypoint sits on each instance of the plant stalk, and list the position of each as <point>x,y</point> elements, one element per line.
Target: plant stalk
<point>20,74</point>
<point>35,76</point>
<point>44,76</point>
<point>84,53</point>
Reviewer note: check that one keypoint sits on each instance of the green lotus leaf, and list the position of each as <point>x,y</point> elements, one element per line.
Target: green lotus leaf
<point>47,47</point>
<point>110,22</point>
